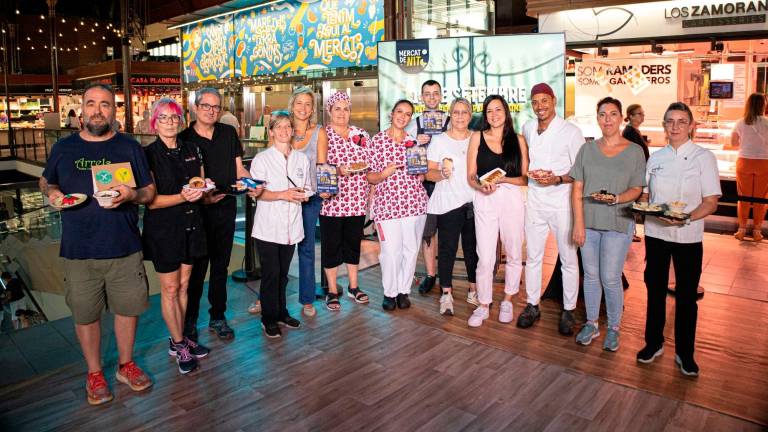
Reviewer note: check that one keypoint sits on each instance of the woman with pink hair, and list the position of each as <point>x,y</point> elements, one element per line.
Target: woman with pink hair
<point>173,234</point>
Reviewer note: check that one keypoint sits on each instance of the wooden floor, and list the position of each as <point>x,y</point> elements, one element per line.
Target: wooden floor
<point>365,369</point>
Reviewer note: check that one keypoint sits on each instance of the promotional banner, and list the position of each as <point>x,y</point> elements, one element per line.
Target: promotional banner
<point>651,82</point>
<point>473,68</point>
<point>287,36</point>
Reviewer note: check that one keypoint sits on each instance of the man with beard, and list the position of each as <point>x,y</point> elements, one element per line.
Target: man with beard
<point>552,147</point>
<point>101,246</point>
<point>223,163</point>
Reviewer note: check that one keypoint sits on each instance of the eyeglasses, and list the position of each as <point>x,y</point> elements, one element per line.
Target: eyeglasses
<point>169,119</point>
<point>208,107</point>
<point>676,123</point>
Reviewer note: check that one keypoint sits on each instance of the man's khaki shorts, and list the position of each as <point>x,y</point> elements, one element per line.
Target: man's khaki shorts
<point>118,283</point>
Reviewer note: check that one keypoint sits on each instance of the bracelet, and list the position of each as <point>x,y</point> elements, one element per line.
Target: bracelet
<point>559,180</point>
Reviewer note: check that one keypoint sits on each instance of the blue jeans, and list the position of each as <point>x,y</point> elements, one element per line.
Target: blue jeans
<point>603,256</point>
<point>310,211</point>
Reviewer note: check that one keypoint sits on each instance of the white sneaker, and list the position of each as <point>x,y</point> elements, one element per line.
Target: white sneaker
<point>478,316</point>
<point>472,298</point>
<point>446,304</point>
<point>505,312</point>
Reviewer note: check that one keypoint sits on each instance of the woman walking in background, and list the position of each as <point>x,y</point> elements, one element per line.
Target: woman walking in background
<point>750,136</point>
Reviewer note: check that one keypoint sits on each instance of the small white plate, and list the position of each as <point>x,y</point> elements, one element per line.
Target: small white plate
<point>207,188</point>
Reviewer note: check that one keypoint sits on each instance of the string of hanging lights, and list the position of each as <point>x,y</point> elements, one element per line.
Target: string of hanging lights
<point>36,38</point>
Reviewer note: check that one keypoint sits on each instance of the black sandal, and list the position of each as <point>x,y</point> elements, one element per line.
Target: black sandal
<point>357,294</point>
<point>332,302</point>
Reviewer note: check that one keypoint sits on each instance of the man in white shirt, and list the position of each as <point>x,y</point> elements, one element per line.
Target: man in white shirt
<point>684,172</point>
<point>552,147</point>
<point>228,118</point>
<point>431,96</point>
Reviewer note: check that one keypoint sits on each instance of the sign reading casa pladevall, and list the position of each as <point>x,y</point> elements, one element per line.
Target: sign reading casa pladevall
<point>642,21</point>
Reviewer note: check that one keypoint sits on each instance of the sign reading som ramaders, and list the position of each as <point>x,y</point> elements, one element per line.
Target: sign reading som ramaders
<point>643,21</point>
<point>651,82</point>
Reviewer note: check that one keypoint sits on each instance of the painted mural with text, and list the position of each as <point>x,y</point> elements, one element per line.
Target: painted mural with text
<point>287,36</point>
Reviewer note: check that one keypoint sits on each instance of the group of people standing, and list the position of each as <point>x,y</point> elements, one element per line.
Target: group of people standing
<point>187,230</point>
<point>580,191</point>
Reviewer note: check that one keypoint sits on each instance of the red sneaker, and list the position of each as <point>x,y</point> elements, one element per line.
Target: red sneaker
<point>97,389</point>
<point>133,376</point>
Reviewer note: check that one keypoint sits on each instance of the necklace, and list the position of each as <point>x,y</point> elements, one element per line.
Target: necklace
<point>300,137</point>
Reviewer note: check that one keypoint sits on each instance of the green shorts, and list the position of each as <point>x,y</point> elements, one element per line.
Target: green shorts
<point>118,283</point>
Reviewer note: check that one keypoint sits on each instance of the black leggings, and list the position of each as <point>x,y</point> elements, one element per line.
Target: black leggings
<point>451,225</point>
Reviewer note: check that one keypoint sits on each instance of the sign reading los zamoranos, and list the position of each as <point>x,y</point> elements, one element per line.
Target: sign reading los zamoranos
<point>660,19</point>
<point>716,9</point>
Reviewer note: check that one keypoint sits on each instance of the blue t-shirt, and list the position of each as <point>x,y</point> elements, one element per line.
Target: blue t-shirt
<point>90,231</point>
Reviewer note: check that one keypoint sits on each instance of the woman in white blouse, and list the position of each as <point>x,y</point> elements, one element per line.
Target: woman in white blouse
<point>681,171</point>
<point>452,202</point>
<point>277,225</point>
<point>750,136</point>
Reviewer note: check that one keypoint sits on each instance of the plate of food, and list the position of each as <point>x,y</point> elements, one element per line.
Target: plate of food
<point>201,184</point>
<point>355,167</point>
<point>540,174</point>
<point>493,176</point>
<point>69,200</point>
<point>648,208</point>
<point>603,196</point>
<point>676,215</point>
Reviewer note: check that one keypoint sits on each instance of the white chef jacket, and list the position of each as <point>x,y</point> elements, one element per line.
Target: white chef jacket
<point>687,174</point>
<point>280,221</point>
<point>555,149</point>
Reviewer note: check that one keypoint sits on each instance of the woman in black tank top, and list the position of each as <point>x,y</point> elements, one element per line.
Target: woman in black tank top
<point>499,208</point>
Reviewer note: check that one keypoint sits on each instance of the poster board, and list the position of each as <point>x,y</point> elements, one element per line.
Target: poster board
<point>473,68</point>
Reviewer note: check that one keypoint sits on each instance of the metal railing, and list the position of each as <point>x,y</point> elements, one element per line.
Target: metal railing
<point>34,145</point>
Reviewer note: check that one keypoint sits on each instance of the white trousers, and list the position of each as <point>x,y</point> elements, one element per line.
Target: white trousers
<point>399,241</point>
<point>499,215</point>
<point>537,227</point>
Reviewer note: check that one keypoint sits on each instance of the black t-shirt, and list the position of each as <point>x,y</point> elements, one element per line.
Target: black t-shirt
<point>219,153</point>
<point>488,160</point>
<point>90,231</point>
<point>173,233</point>
<point>633,135</point>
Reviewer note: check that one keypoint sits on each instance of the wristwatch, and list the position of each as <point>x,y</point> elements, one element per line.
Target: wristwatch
<point>687,222</point>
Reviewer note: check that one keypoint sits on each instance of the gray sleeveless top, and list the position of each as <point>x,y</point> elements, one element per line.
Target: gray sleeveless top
<point>310,150</point>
